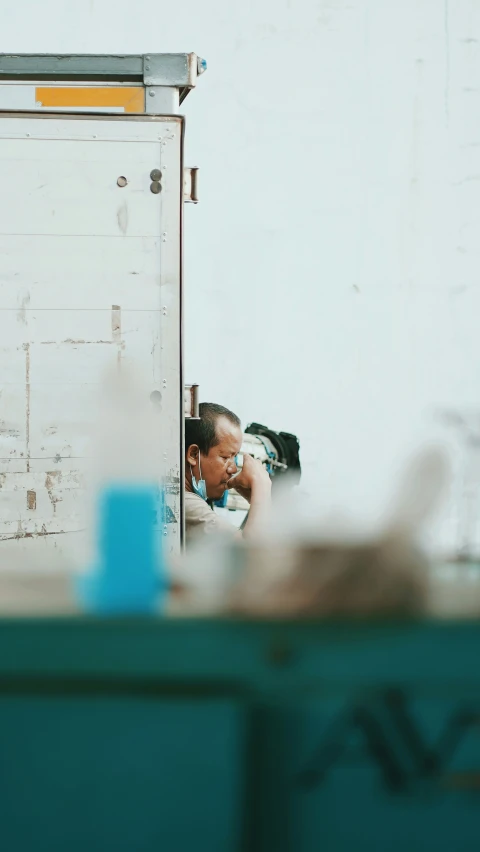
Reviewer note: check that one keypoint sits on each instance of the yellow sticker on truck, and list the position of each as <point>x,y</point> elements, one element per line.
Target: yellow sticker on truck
<point>129,99</point>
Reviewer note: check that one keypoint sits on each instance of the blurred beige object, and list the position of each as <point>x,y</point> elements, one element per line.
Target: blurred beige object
<point>324,580</point>
<point>384,575</point>
<point>36,593</point>
<point>454,590</point>
<point>201,580</point>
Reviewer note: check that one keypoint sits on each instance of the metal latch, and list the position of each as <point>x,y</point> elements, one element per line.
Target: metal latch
<point>190,185</point>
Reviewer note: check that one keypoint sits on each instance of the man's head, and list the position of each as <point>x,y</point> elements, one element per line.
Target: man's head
<point>211,444</point>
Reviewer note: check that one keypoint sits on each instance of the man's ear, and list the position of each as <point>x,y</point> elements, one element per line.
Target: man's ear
<point>192,454</point>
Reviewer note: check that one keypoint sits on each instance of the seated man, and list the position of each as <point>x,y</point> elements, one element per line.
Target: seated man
<point>211,446</point>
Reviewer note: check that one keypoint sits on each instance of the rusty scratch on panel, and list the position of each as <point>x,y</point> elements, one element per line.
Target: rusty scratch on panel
<point>116,323</point>
<point>122,217</point>
<point>70,340</point>
<point>22,534</point>
<point>11,432</point>
<point>22,311</point>
<point>152,353</point>
<point>26,346</point>
<point>52,479</point>
<point>31,500</point>
<point>117,332</point>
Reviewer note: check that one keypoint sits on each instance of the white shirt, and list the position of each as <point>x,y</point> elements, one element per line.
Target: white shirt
<point>201,519</point>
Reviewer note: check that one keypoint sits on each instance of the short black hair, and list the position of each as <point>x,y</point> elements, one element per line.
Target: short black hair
<point>203,431</point>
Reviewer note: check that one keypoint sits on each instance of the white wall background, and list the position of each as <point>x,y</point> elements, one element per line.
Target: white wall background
<point>333,280</point>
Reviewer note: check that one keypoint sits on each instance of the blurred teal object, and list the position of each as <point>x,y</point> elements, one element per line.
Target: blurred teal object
<point>223,736</point>
<point>129,576</point>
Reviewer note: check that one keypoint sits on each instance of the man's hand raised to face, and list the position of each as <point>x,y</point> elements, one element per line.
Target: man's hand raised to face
<point>253,480</point>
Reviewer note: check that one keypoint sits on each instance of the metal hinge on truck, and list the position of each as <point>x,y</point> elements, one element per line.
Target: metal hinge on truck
<point>191,401</point>
<point>190,185</point>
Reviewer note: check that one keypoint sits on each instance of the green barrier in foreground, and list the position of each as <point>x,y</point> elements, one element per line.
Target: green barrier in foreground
<point>210,736</point>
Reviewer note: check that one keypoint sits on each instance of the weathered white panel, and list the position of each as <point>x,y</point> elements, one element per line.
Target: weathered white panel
<point>87,128</point>
<point>14,402</point>
<point>61,420</point>
<point>89,283</point>
<point>130,331</point>
<point>13,357</point>
<point>35,276</point>
<point>17,97</point>
<point>79,188</point>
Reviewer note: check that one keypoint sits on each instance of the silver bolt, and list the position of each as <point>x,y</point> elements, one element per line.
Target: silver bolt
<point>147,67</point>
<point>151,93</point>
<point>147,58</point>
<point>165,533</point>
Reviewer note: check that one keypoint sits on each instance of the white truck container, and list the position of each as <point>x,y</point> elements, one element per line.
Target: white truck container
<point>93,185</point>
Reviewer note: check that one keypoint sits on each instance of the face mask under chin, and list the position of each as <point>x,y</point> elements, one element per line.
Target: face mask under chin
<point>200,487</point>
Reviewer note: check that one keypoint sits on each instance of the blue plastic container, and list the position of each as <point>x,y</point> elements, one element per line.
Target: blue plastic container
<point>129,576</point>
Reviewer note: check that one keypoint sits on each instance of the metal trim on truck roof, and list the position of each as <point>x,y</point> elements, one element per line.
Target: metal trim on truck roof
<point>176,70</point>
